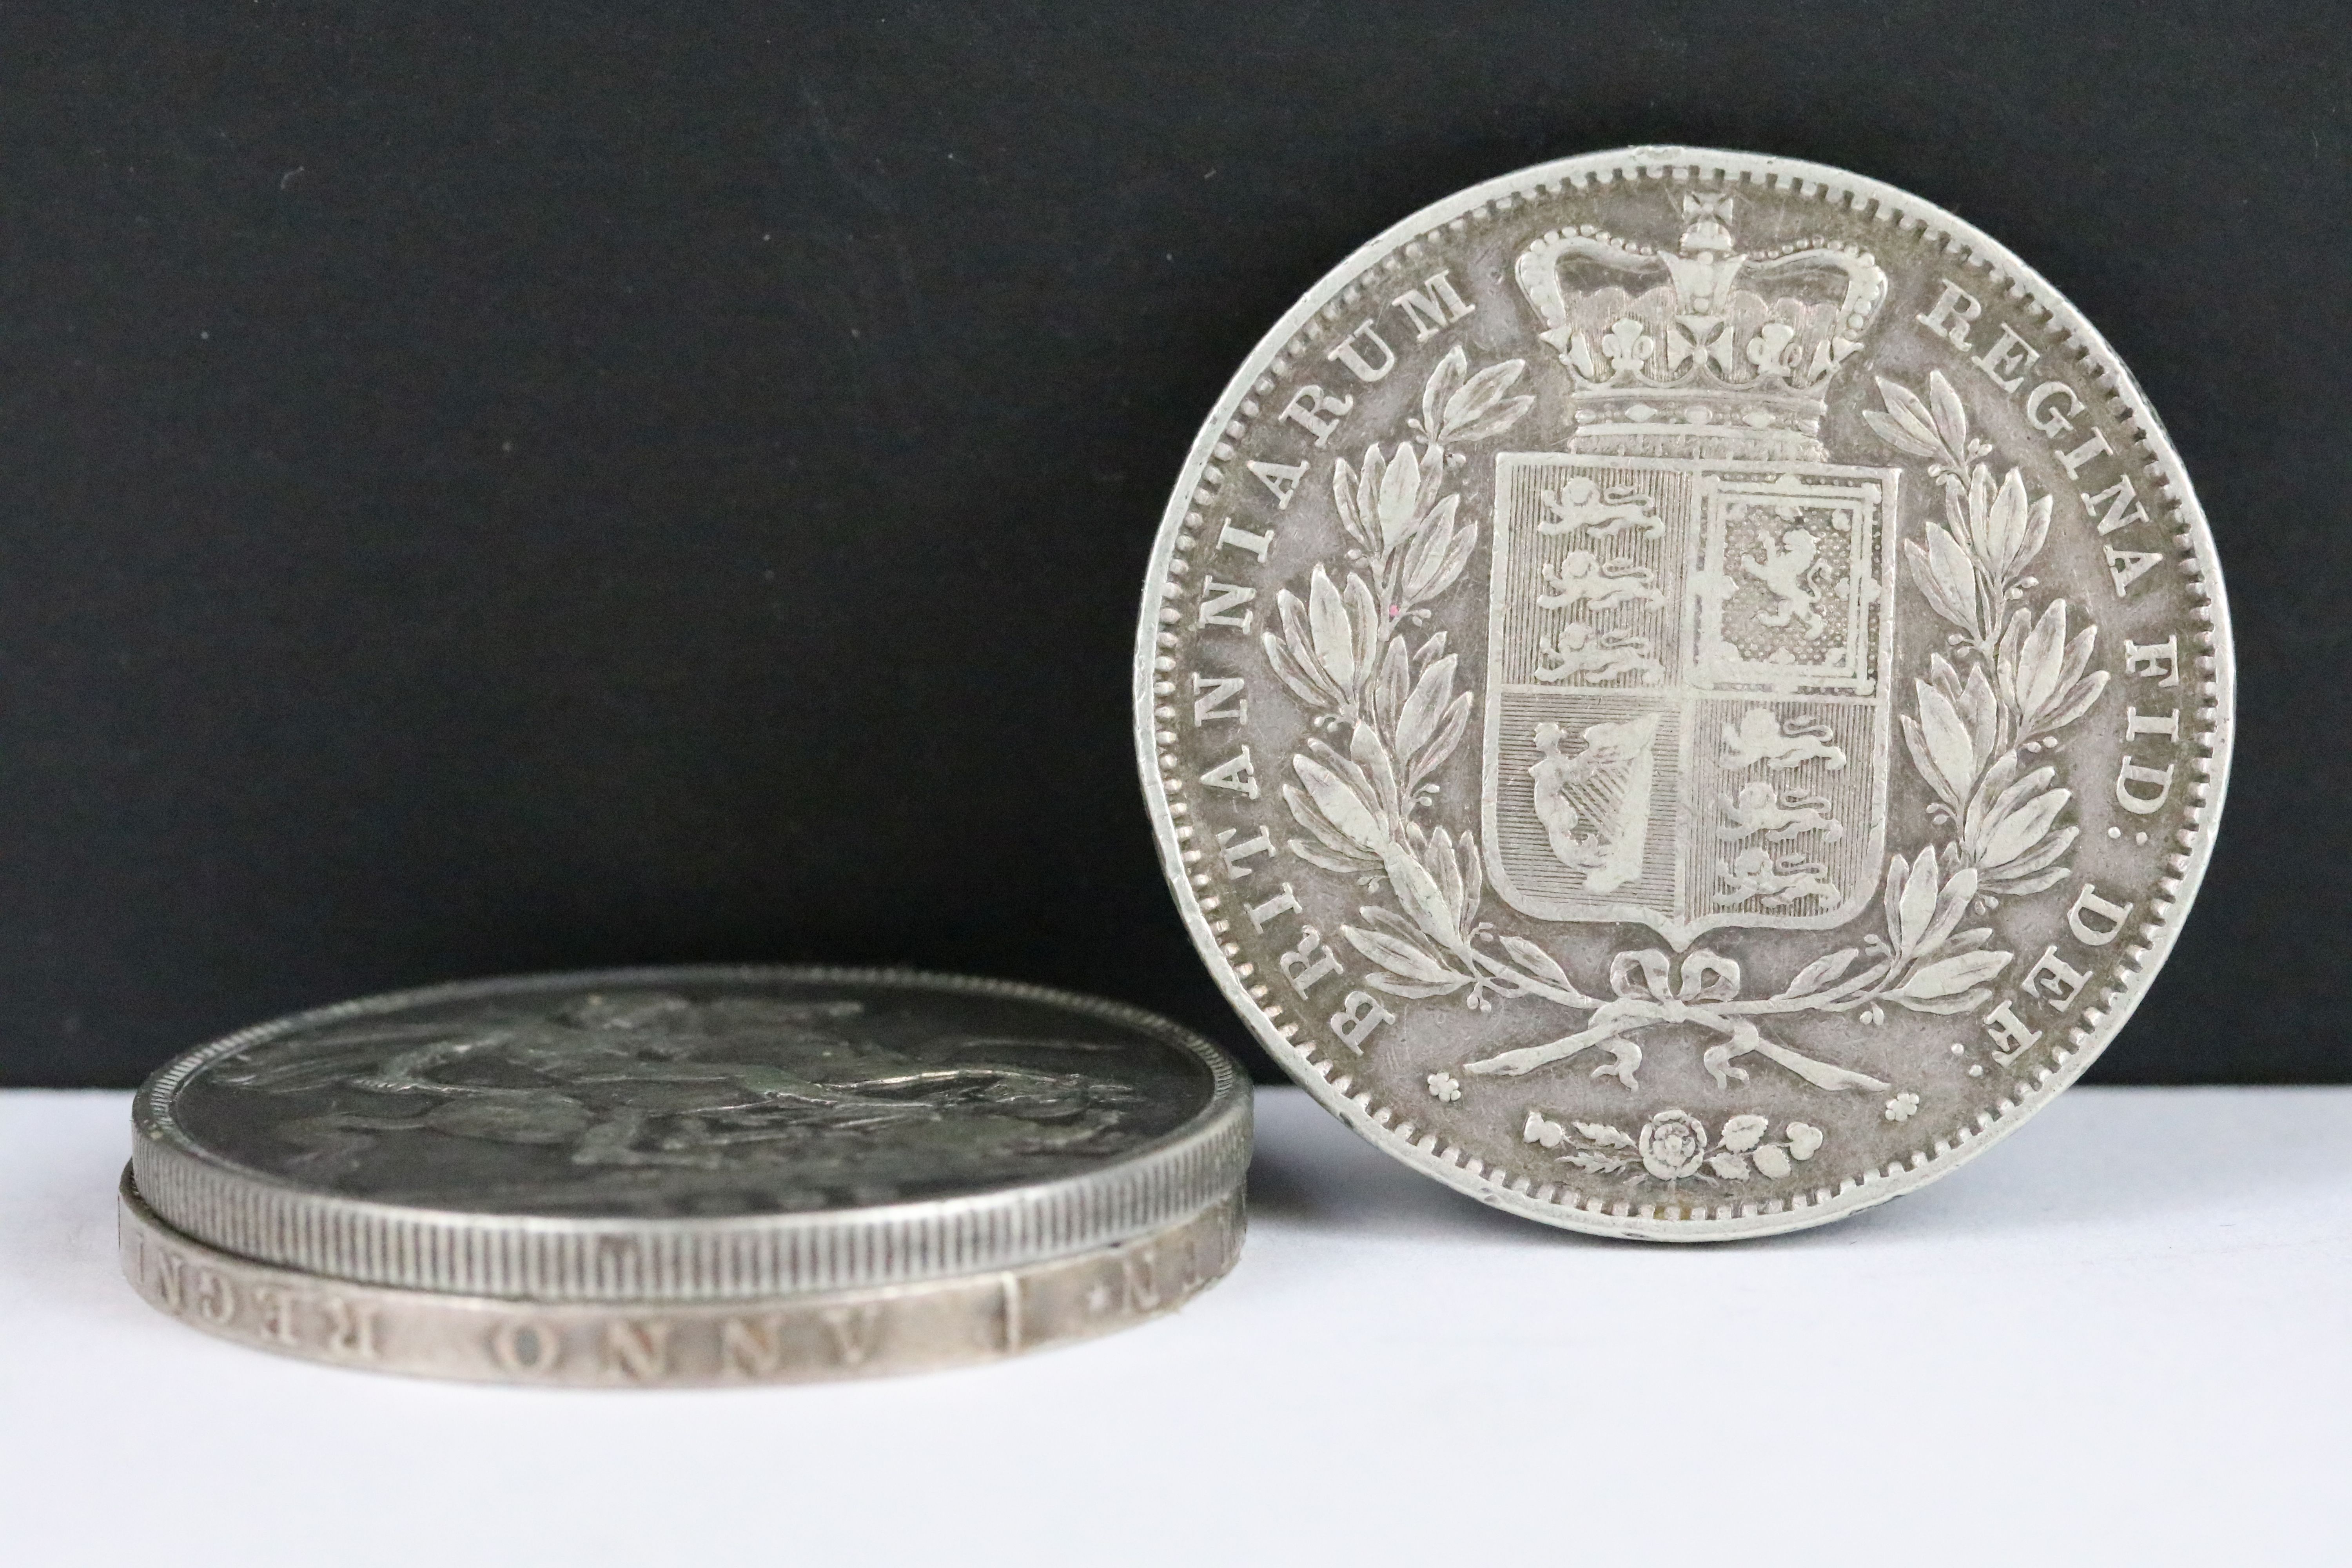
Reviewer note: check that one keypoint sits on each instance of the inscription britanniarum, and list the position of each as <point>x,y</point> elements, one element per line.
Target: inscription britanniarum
<point>1691,796</point>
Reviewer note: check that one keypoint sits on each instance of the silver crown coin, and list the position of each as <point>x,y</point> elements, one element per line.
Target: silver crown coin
<point>1683,694</point>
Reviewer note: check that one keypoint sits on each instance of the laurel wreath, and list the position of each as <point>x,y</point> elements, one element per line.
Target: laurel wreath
<point>1986,715</point>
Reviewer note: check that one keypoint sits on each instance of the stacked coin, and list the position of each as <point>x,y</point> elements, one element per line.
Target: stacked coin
<point>679,1176</point>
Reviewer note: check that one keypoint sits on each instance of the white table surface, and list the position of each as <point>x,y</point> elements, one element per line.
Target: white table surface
<point>2121,1338</point>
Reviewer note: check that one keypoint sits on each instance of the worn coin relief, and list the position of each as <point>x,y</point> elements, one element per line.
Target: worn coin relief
<point>649,1103</point>
<point>1684,692</point>
<point>689,1133</point>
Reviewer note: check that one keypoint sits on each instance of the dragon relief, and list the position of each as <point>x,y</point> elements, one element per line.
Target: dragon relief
<point>1806,641</point>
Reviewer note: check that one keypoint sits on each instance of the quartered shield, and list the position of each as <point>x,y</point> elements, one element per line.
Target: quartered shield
<point>1688,724</point>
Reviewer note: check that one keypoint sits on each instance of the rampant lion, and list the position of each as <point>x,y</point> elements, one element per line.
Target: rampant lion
<point>1791,570</point>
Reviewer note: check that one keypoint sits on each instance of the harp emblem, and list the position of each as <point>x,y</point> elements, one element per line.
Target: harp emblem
<point>1595,806</point>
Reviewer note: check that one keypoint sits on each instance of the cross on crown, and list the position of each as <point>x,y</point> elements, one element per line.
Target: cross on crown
<point>1697,363</point>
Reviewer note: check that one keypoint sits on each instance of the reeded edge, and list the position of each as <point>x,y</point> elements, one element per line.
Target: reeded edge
<point>270,1219</point>
<point>1328,1081</point>
<point>885,1331</point>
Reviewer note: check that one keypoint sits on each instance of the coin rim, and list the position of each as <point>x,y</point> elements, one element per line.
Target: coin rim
<point>270,1219</point>
<point>2175,885</point>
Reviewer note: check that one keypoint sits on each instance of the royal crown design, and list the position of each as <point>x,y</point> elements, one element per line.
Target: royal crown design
<point>1698,365</point>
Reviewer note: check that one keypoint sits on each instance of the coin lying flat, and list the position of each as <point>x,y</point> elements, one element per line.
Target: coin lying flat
<point>944,1161</point>
<point>1683,693</point>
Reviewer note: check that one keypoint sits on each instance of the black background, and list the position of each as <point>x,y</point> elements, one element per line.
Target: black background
<point>493,486</point>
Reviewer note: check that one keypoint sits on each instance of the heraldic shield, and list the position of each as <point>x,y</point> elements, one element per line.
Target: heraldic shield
<point>1687,720</point>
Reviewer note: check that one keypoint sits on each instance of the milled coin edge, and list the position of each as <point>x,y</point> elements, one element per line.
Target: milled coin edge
<point>821,1337</point>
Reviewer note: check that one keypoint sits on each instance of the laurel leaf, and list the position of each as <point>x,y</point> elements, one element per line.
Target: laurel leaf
<point>1413,988</point>
<point>1310,816</point>
<point>1345,865</point>
<point>1474,878</point>
<point>1442,745</point>
<point>1948,579</point>
<point>1399,506</point>
<point>1826,970</point>
<point>1895,434</point>
<point>2001,792</point>
<point>1346,810</point>
<point>1945,736</point>
<point>1365,749</point>
<point>2078,653</point>
<point>2050,849</point>
<point>1417,719</point>
<point>1438,391</point>
<point>1364,625</point>
<point>1344,482</point>
<point>2041,660</point>
<point>1919,906</point>
<point>2021,829</point>
<point>1294,676</point>
<point>1911,416</point>
<point>1497,419</point>
<point>1418,892</point>
<point>1983,712</point>
<point>1950,976</point>
<point>1951,903</point>
<point>1917,745</point>
<point>1966,1002</point>
<point>1389,688</point>
<point>1478,399</point>
<point>1457,556</point>
<point>2037,532</point>
<point>1601,1132</point>
<point>1951,417</point>
<point>2020,886</point>
<point>1423,557</point>
<point>1535,960</point>
<point>1405,959</point>
<point>2077,702</point>
<point>1923,577</point>
<point>1335,639</point>
<point>1437,855</point>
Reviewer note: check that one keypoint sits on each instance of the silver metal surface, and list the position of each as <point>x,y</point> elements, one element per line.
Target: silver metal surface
<point>698,1134</point>
<point>1684,693</point>
<point>845,1333</point>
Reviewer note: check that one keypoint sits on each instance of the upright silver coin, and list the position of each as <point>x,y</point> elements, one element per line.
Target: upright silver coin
<point>690,1135</point>
<point>1684,693</point>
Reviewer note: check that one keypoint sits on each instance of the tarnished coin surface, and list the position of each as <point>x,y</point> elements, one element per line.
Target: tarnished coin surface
<point>1684,693</point>
<point>920,1327</point>
<point>690,1134</point>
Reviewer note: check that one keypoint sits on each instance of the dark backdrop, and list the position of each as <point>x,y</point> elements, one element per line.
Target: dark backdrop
<point>497,486</point>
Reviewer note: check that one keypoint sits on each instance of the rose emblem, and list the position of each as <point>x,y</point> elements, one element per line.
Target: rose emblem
<point>1672,1145</point>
